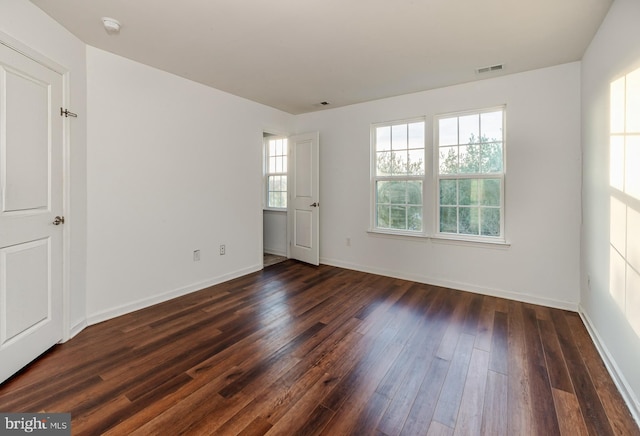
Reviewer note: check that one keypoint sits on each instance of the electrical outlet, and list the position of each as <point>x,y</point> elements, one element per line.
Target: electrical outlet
<point>196,255</point>
<point>348,242</point>
<point>223,250</point>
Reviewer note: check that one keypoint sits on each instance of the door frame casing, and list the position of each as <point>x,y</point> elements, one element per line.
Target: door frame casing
<point>45,61</point>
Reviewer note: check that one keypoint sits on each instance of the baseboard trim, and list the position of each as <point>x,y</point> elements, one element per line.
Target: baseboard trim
<point>525,298</point>
<point>610,363</point>
<point>146,302</point>
<point>74,330</point>
<point>276,252</point>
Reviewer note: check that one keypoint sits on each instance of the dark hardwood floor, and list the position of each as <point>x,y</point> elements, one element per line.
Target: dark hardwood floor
<point>302,350</point>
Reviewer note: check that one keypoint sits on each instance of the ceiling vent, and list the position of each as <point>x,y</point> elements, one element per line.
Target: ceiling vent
<point>483,70</point>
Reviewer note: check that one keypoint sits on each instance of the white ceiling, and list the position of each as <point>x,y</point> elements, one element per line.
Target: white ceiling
<point>294,54</point>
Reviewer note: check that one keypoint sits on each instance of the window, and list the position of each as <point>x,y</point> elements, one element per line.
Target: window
<point>470,174</point>
<point>398,155</point>
<point>276,172</point>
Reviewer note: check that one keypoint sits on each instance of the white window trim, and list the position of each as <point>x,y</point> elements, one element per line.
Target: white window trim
<point>266,173</point>
<point>455,237</point>
<point>373,178</point>
<point>430,194</point>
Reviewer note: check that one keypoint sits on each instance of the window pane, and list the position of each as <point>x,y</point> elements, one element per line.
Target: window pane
<point>284,164</point>
<point>272,164</point>
<point>469,129</point>
<point>490,221</point>
<point>383,138</point>
<point>414,192</point>
<point>383,217</point>
<point>469,220</point>
<point>416,162</point>
<point>448,131</point>
<point>448,220</point>
<point>399,137</point>
<point>448,192</point>
<point>385,163</point>
<point>277,199</point>
<point>469,158</point>
<point>468,191</point>
<point>382,191</point>
<point>398,217</point>
<point>490,192</point>
<point>491,158</point>
<point>414,218</point>
<point>491,126</point>
<point>272,148</point>
<point>448,160</point>
<point>416,135</point>
<point>397,192</point>
<point>401,162</point>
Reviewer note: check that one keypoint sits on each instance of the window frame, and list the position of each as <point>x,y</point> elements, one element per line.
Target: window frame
<point>267,174</point>
<point>499,239</point>
<point>375,178</point>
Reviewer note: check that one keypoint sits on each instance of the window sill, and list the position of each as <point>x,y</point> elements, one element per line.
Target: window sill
<point>442,239</point>
<point>456,240</point>
<point>274,209</point>
<point>398,235</point>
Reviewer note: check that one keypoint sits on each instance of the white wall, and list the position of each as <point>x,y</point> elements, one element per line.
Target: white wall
<point>611,239</point>
<point>173,166</point>
<point>275,232</point>
<point>31,27</point>
<point>542,190</point>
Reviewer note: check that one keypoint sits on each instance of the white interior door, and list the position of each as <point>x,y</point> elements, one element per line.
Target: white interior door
<point>304,204</point>
<point>30,199</point>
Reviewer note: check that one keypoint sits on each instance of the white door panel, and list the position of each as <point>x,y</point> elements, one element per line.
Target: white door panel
<point>25,288</point>
<point>30,199</point>
<point>304,207</point>
<point>26,145</point>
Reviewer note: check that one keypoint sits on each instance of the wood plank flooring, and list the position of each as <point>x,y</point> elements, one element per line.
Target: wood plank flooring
<point>302,350</point>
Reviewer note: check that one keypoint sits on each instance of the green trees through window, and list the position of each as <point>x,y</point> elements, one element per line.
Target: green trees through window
<point>471,173</point>
<point>399,174</point>
<point>468,174</point>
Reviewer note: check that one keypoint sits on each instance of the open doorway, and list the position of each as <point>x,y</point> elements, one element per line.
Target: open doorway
<point>291,197</point>
<point>275,195</point>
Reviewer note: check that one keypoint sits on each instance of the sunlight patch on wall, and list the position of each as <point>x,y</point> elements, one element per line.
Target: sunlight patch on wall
<point>624,206</point>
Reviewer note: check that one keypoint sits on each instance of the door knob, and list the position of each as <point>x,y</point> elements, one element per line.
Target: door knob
<point>58,220</point>
<point>314,204</point>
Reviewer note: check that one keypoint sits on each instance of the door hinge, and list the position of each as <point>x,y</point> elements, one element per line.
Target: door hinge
<point>66,113</point>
